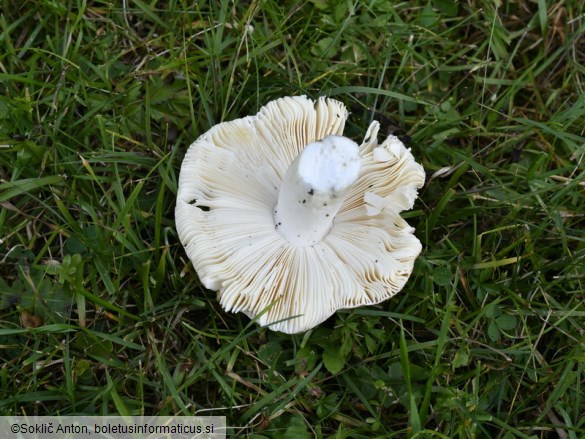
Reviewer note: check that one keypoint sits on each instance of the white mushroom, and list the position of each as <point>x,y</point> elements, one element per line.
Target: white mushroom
<point>289,221</point>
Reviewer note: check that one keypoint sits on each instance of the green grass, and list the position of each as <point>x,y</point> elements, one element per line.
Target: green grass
<point>101,311</point>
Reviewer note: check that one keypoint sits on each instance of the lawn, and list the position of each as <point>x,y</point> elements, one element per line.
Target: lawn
<point>101,311</point>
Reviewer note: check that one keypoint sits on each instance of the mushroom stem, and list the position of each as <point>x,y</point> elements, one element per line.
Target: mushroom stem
<point>313,189</point>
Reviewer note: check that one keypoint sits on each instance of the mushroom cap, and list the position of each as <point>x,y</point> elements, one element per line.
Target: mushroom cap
<point>228,188</point>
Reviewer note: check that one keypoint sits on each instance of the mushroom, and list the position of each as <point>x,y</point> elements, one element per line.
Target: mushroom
<point>290,221</point>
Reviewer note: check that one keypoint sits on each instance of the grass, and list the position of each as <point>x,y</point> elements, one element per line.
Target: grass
<point>101,311</point>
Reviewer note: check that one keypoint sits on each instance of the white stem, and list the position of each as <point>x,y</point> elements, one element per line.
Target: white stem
<point>313,189</point>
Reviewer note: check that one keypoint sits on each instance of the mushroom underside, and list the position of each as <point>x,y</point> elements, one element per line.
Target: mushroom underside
<point>228,190</point>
